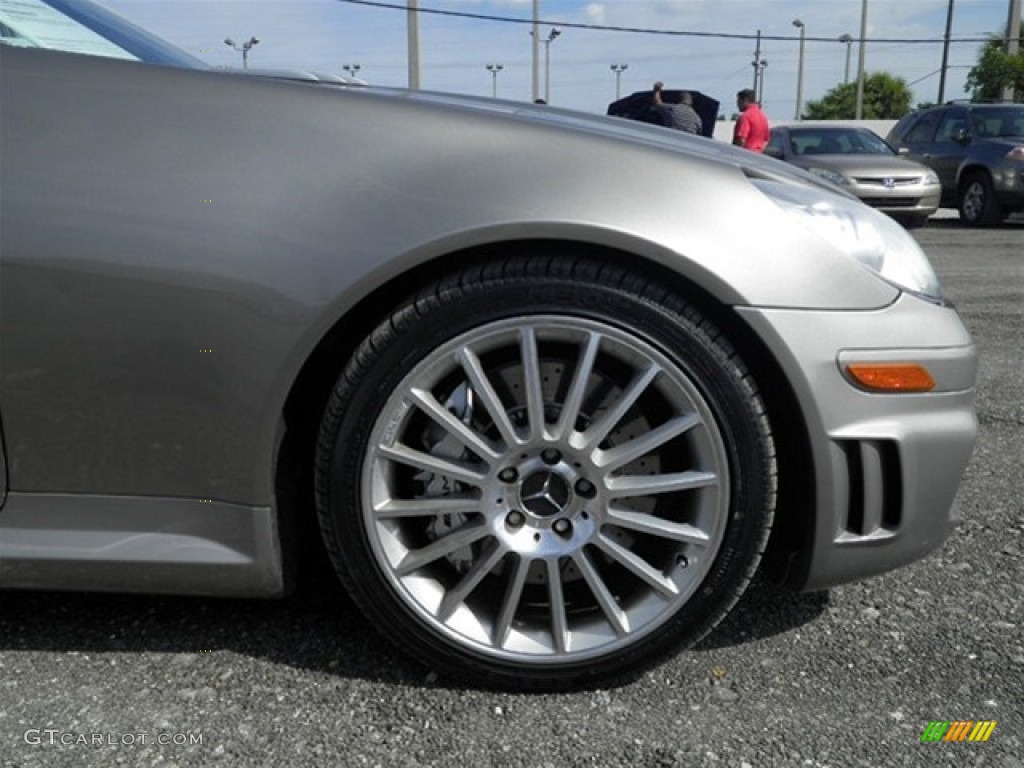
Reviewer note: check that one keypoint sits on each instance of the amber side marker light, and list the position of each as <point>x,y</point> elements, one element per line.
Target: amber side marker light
<point>891,377</point>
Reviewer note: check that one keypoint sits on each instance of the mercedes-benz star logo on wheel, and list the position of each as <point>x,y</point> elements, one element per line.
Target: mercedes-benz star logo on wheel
<point>545,493</point>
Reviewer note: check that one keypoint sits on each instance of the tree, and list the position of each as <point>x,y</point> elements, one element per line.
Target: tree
<point>996,70</point>
<point>886,97</point>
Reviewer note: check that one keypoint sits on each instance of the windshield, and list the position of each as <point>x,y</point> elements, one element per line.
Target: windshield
<point>81,26</point>
<point>837,142</point>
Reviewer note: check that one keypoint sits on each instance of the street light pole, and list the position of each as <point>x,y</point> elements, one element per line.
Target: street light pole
<point>859,111</point>
<point>848,39</point>
<point>494,69</point>
<point>244,49</point>
<point>555,32</point>
<point>618,69</point>
<point>800,70</point>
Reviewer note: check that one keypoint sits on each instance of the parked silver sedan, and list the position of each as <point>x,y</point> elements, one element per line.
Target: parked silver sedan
<point>860,162</point>
<point>545,423</point>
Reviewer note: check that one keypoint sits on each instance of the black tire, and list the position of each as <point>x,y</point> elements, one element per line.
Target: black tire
<point>976,201</point>
<point>545,583</point>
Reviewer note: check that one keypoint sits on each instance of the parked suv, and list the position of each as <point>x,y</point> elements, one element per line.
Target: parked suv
<point>978,152</point>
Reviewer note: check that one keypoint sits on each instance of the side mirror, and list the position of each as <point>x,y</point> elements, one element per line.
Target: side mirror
<point>772,152</point>
<point>962,136</point>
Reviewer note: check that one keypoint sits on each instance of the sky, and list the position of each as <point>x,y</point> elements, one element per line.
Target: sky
<point>326,35</point>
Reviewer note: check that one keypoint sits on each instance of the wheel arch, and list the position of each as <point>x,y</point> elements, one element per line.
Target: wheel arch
<point>967,170</point>
<point>311,389</point>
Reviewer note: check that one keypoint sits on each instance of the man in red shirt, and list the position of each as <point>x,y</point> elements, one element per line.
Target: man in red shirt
<point>752,130</point>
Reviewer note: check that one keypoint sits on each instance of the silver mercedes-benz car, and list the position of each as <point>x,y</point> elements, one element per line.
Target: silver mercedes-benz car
<point>547,387</point>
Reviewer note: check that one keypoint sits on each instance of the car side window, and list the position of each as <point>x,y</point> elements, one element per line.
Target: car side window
<point>951,125</point>
<point>1014,126</point>
<point>923,130</point>
<point>775,143</point>
<point>983,128</point>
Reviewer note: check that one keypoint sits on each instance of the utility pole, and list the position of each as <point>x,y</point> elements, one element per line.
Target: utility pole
<point>945,53</point>
<point>413,20</point>
<point>800,71</point>
<point>859,112</point>
<point>759,65</point>
<point>536,51</point>
<point>1012,40</point>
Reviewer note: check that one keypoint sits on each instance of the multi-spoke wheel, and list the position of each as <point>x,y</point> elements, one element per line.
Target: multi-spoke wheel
<point>540,479</point>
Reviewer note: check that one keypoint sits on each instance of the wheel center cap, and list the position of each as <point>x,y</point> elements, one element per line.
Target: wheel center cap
<point>545,493</point>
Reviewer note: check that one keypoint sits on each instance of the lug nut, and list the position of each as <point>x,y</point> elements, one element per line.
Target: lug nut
<point>585,488</point>
<point>562,527</point>
<point>682,561</point>
<point>515,519</point>
<point>550,456</point>
<point>508,475</point>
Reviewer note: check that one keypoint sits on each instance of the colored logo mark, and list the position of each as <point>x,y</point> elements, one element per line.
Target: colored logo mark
<point>958,730</point>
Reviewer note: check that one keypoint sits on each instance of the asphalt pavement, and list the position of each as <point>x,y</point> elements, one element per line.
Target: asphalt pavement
<point>852,677</point>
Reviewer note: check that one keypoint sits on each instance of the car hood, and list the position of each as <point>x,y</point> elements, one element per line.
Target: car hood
<point>615,127</point>
<point>753,164</point>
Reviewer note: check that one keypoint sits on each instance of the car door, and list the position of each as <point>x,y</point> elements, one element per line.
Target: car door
<point>952,138</point>
<point>114,289</point>
<point>920,136</point>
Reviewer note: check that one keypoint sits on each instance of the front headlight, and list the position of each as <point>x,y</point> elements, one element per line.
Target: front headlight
<point>829,175</point>
<point>870,237</point>
<point>931,177</point>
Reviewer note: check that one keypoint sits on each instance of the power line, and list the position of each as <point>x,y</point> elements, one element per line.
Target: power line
<point>665,32</point>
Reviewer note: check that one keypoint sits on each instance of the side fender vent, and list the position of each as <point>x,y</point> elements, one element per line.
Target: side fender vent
<point>875,499</point>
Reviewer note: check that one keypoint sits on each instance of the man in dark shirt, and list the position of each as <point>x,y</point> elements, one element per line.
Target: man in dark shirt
<point>681,116</point>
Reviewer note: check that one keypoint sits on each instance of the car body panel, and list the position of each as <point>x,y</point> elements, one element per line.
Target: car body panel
<point>861,529</point>
<point>176,244</point>
<point>185,331</point>
<point>139,544</point>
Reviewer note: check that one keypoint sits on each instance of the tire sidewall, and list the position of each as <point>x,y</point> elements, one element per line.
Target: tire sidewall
<point>675,329</point>
<point>988,214</point>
